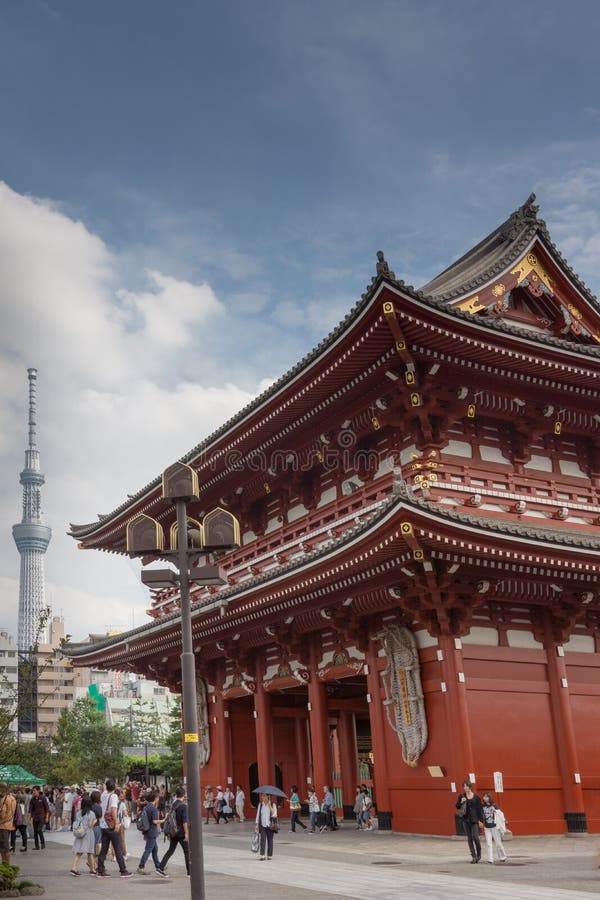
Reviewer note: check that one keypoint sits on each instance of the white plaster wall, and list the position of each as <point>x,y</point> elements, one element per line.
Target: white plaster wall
<point>486,637</point>
<point>406,454</point>
<point>541,463</point>
<point>570,467</point>
<point>296,512</point>
<point>424,639</point>
<point>524,639</point>
<point>459,448</point>
<point>580,643</point>
<point>492,454</point>
<point>327,496</point>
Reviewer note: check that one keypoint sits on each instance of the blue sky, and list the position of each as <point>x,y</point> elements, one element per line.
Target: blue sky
<point>193,195</point>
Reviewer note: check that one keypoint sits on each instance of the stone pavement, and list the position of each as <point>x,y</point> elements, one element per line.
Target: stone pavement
<point>346,863</point>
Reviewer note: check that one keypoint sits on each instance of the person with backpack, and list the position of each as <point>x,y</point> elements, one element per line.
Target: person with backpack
<point>39,813</point>
<point>7,816</point>
<point>109,829</point>
<point>176,829</point>
<point>19,821</point>
<point>148,822</point>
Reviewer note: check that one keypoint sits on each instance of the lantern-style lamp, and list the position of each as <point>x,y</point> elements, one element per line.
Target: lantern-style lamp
<point>221,531</point>
<point>180,482</point>
<point>195,533</point>
<point>144,535</point>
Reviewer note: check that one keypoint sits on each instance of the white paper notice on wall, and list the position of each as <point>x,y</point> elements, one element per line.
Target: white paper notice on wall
<point>498,783</point>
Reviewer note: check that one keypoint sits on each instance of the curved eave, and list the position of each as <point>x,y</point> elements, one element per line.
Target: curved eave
<point>381,526</point>
<point>495,255</point>
<point>489,345</point>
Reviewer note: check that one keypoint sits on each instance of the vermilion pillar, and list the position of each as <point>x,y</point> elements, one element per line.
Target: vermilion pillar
<point>454,687</point>
<point>348,754</point>
<point>378,730</point>
<point>222,739</point>
<point>319,727</point>
<point>564,733</point>
<point>300,742</point>
<point>264,734</point>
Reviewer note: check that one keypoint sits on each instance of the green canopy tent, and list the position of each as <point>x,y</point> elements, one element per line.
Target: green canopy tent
<point>18,775</point>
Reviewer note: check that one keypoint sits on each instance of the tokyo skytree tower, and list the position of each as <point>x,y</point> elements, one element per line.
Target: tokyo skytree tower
<point>31,536</point>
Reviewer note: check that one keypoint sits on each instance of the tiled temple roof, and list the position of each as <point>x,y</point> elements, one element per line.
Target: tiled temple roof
<point>496,252</point>
<point>489,257</point>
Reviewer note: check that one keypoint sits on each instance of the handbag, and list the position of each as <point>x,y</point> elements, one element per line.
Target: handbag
<point>254,842</point>
<point>274,824</point>
<point>500,821</point>
<point>79,828</point>
<point>462,810</point>
<point>126,821</point>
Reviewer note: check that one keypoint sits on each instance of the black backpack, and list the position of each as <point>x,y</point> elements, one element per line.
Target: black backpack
<point>170,826</point>
<point>143,823</point>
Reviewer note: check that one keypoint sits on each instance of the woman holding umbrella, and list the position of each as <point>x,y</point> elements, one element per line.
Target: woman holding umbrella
<point>266,818</point>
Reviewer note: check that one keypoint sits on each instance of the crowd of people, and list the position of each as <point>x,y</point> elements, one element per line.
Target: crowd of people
<point>99,819</point>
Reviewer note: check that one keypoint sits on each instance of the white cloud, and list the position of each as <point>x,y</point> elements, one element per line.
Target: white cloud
<point>170,310</point>
<point>123,391</point>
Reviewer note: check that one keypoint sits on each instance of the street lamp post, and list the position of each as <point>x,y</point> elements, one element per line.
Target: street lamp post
<point>145,537</point>
<point>190,713</point>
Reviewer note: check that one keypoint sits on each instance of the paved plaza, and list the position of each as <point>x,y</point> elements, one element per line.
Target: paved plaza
<point>346,863</point>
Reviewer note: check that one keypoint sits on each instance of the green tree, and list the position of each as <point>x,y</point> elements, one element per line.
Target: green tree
<point>35,756</point>
<point>146,725</point>
<point>88,748</point>
<point>172,762</point>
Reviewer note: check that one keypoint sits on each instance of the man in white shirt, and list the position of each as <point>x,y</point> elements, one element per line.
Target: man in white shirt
<point>109,830</point>
<point>240,799</point>
<point>67,808</point>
